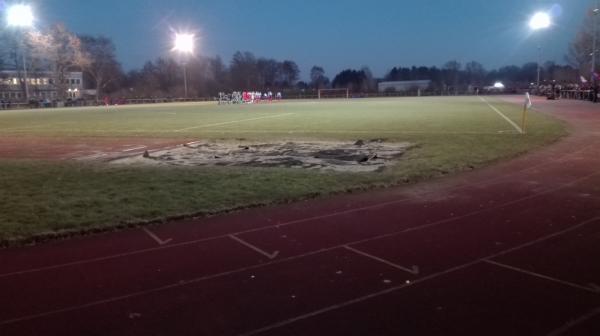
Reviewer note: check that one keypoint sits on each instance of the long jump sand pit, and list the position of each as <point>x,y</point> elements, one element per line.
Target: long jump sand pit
<point>359,156</point>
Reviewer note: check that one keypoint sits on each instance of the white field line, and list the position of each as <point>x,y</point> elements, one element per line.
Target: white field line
<point>134,148</point>
<point>304,132</point>
<point>234,122</point>
<point>502,115</point>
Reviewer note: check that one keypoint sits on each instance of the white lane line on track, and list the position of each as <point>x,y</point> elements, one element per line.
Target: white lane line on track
<point>280,261</point>
<point>414,270</point>
<point>574,323</point>
<point>414,282</point>
<point>502,115</point>
<point>542,276</point>
<point>156,238</point>
<point>254,248</point>
<point>234,122</point>
<point>333,214</point>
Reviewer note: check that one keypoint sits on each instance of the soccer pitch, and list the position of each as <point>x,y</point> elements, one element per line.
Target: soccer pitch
<point>45,196</point>
<point>339,119</point>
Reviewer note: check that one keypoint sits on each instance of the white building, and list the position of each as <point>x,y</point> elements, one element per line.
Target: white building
<point>40,86</point>
<point>399,86</point>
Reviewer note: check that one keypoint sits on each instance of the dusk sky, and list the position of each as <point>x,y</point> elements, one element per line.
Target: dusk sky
<point>334,34</point>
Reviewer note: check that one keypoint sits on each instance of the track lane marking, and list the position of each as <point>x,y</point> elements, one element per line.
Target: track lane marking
<point>156,238</point>
<point>418,281</point>
<point>234,122</point>
<point>254,248</point>
<point>541,276</point>
<point>414,270</point>
<point>502,115</point>
<point>270,227</point>
<point>575,322</point>
<point>275,262</point>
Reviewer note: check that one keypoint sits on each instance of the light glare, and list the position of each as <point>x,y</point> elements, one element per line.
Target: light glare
<point>540,20</point>
<point>498,85</point>
<point>19,16</point>
<point>184,43</point>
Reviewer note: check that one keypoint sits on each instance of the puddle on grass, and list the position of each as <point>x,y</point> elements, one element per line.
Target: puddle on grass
<point>359,156</point>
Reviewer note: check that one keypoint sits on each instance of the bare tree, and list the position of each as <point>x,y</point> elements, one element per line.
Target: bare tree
<point>581,49</point>
<point>61,51</point>
<point>102,65</point>
<point>318,80</point>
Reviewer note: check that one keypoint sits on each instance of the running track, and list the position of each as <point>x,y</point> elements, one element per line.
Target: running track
<point>513,249</point>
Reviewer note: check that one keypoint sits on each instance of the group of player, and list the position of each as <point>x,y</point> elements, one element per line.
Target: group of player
<point>249,97</point>
<point>258,97</point>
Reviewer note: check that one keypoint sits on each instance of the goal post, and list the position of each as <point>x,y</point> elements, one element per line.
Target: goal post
<point>334,93</point>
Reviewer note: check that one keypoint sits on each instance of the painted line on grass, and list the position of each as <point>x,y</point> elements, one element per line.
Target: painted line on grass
<point>502,115</point>
<point>308,219</point>
<point>418,281</point>
<point>234,122</point>
<point>134,148</point>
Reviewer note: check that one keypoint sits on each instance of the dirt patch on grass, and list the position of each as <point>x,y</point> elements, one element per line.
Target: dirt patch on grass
<point>360,156</point>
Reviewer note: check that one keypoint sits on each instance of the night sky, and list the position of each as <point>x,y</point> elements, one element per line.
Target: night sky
<point>335,34</point>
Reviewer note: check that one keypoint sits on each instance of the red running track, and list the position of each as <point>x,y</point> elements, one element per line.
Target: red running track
<point>513,249</point>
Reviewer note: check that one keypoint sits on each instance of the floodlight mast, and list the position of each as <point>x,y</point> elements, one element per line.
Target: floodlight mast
<point>184,44</point>
<point>20,16</point>
<point>595,43</point>
<point>539,21</point>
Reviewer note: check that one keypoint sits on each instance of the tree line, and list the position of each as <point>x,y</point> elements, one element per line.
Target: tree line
<point>58,50</point>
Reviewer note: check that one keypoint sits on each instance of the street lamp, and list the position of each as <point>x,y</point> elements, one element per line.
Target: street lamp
<point>184,44</point>
<point>539,21</point>
<point>21,16</point>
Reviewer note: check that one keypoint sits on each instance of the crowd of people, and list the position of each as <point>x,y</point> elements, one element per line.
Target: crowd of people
<point>248,97</point>
<point>583,91</point>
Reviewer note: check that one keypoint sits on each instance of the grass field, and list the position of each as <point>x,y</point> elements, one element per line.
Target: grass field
<point>45,197</point>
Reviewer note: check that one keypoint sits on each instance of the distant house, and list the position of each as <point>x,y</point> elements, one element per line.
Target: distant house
<point>40,84</point>
<point>399,86</point>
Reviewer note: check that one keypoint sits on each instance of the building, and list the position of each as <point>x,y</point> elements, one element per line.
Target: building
<point>41,86</point>
<point>399,86</point>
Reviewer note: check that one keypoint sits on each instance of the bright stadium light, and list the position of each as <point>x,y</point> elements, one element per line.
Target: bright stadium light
<point>539,21</point>
<point>498,85</point>
<point>19,16</point>
<point>184,43</point>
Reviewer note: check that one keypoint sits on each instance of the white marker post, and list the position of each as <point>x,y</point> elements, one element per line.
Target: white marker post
<point>526,106</point>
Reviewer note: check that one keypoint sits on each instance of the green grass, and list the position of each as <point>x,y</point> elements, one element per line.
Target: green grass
<point>50,197</point>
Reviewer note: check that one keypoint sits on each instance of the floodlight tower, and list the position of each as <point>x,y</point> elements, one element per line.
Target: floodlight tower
<point>184,44</point>
<point>595,41</point>
<point>539,21</point>
<point>20,16</point>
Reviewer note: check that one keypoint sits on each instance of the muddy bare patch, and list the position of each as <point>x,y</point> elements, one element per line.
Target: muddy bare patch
<point>359,156</point>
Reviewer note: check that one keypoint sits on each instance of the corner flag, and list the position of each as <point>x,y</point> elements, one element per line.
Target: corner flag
<point>528,103</point>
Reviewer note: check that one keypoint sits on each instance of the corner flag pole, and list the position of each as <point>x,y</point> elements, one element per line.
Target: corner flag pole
<point>526,107</point>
